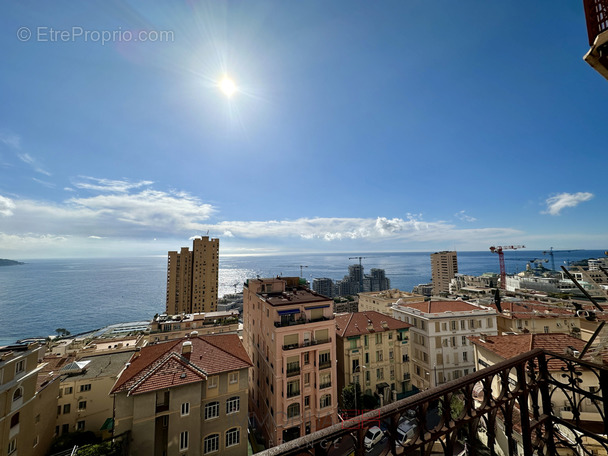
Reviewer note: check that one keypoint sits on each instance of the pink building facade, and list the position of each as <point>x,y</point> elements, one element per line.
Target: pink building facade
<point>290,335</point>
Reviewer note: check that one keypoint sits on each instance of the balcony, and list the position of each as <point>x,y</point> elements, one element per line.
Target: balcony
<point>324,385</point>
<point>299,321</point>
<point>293,393</point>
<point>307,343</point>
<point>293,371</point>
<point>324,364</point>
<point>596,15</point>
<point>514,407</point>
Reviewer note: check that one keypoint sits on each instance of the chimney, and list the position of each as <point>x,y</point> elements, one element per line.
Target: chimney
<point>187,348</point>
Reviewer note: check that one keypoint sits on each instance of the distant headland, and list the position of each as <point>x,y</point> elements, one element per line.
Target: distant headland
<point>4,262</point>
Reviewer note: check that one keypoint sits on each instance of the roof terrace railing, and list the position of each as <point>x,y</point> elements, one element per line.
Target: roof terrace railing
<point>508,408</point>
<point>596,14</point>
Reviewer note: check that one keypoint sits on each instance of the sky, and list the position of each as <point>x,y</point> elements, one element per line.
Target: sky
<point>353,126</point>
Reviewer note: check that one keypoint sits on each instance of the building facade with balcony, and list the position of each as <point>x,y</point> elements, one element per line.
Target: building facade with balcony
<point>21,428</point>
<point>536,317</point>
<point>439,347</point>
<point>186,396</point>
<point>373,352</point>
<point>289,333</point>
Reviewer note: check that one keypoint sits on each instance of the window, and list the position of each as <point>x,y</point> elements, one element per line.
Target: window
<point>390,336</point>
<point>546,328</point>
<point>82,405</point>
<point>325,400</point>
<point>293,388</point>
<point>233,377</point>
<point>353,343</point>
<point>307,378</point>
<point>380,374</point>
<point>392,373</point>
<point>464,340</point>
<point>462,324</point>
<point>465,356</point>
<point>490,323</point>
<point>18,394</point>
<point>67,390</point>
<point>183,440</point>
<point>66,408</point>
<point>15,420</point>
<point>233,405</point>
<point>437,328</point>
<point>12,446</point>
<point>367,358</point>
<point>212,382</point>
<point>306,358</point>
<point>379,355</point>
<point>391,355</point>
<point>453,325</point>
<point>306,401</point>
<point>186,408</point>
<point>86,387</point>
<point>212,410</point>
<point>19,366</point>
<point>293,410</point>
<point>65,428</point>
<point>366,340</point>
<point>379,338</point>
<point>355,365</point>
<point>324,360</point>
<point>233,437</point>
<point>80,426</point>
<point>444,326</point>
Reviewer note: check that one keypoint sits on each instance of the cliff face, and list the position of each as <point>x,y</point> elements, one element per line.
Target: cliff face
<point>4,262</point>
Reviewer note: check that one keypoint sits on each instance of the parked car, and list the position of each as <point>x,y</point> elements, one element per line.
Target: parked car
<point>406,430</point>
<point>372,436</point>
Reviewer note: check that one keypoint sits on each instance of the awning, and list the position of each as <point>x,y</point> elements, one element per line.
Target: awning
<point>108,425</point>
<point>289,312</point>
<point>317,307</point>
<point>381,386</point>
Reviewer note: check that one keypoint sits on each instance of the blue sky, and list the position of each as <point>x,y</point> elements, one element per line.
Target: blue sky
<point>356,126</point>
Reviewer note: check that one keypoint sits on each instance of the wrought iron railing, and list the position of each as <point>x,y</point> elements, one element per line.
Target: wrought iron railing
<point>512,407</point>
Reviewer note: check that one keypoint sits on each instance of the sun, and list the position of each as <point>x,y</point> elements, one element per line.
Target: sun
<point>227,86</point>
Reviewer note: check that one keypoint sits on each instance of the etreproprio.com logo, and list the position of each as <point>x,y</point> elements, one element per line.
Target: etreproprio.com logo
<point>44,34</point>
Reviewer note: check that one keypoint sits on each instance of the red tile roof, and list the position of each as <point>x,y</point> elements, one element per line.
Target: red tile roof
<point>534,309</point>
<point>516,344</point>
<point>163,365</point>
<point>355,324</point>
<point>435,307</point>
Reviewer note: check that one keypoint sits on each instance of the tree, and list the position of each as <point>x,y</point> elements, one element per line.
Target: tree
<point>61,332</point>
<point>350,402</point>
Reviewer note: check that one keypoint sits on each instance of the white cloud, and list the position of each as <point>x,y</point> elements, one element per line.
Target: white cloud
<point>557,203</point>
<point>27,158</point>
<point>108,185</point>
<point>95,237</point>
<point>10,139</point>
<point>464,217</point>
<point>45,183</point>
<point>6,206</point>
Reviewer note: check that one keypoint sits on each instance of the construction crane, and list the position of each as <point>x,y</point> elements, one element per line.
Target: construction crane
<point>301,269</point>
<point>354,258</point>
<point>550,253</point>
<point>501,260</point>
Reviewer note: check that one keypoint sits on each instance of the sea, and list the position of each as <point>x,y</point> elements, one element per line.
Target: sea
<point>82,295</point>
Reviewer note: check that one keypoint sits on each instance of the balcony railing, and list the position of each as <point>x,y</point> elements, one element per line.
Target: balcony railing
<point>292,371</point>
<point>512,407</point>
<point>307,343</point>
<point>324,385</point>
<point>293,393</point>
<point>299,321</point>
<point>324,364</point>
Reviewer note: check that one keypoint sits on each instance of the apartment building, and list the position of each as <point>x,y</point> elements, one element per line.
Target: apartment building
<point>439,347</point>
<point>444,267</point>
<point>167,327</point>
<point>84,402</point>
<point>289,333</point>
<point>187,396</point>
<point>373,351</point>
<point>20,422</point>
<point>382,301</point>
<point>536,317</point>
<point>192,277</point>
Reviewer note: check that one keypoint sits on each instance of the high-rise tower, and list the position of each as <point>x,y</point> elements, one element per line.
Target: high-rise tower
<point>444,267</point>
<point>192,277</point>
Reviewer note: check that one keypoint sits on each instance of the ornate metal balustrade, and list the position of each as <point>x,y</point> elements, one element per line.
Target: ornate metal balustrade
<point>539,403</point>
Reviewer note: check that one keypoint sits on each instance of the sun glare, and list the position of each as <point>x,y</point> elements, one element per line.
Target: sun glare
<point>227,86</point>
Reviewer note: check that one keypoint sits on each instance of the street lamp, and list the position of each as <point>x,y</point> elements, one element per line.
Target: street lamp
<point>359,368</point>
